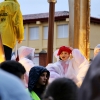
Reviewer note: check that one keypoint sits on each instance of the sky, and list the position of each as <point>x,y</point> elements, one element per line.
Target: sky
<point>42,6</point>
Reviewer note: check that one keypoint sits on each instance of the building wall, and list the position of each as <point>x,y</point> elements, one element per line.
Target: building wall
<point>94,37</point>
<point>41,43</point>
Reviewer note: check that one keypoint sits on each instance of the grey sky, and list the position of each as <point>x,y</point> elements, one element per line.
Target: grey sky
<point>42,6</point>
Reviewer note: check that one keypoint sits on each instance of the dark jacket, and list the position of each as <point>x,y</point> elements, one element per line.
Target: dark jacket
<point>90,89</point>
<point>34,75</point>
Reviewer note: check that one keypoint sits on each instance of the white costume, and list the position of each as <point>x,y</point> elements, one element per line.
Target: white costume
<point>75,70</point>
<point>26,56</point>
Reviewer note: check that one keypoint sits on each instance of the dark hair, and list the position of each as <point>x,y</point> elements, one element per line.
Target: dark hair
<point>61,89</point>
<point>13,67</point>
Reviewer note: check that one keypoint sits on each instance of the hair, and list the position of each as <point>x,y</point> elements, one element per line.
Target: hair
<point>61,89</point>
<point>13,67</point>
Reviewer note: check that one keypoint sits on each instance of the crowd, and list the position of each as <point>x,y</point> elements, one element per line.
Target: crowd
<point>72,77</point>
<point>22,80</point>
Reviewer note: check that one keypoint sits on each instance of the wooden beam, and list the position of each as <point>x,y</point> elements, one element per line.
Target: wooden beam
<point>51,31</point>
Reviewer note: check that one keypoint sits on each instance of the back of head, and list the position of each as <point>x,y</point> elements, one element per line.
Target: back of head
<point>11,88</point>
<point>90,89</point>
<point>13,67</point>
<point>61,89</point>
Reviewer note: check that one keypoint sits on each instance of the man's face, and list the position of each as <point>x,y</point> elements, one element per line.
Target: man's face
<point>43,78</point>
<point>64,55</point>
<point>96,52</point>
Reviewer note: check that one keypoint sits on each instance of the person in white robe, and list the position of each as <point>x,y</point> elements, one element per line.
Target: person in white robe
<point>74,68</point>
<point>25,57</point>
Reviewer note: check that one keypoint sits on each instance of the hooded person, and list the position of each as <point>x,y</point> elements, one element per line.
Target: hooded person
<point>11,25</point>
<point>90,89</point>
<point>38,80</point>
<point>11,87</point>
<point>73,68</point>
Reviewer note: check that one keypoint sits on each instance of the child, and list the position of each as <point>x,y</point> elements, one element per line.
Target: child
<point>74,68</point>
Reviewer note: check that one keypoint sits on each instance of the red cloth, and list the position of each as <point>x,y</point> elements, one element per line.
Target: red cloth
<point>64,48</point>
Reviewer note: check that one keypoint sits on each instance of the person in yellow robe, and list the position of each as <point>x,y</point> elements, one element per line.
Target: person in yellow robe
<point>11,25</point>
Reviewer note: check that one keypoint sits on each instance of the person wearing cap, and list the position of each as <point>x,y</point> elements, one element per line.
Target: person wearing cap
<point>11,25</point>
<point>73,68</point>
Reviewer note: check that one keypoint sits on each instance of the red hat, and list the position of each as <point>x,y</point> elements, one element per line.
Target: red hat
<point>64,48</point>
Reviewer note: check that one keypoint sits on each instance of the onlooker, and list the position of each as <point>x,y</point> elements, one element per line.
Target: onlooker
<point>14,68</point>
<point>90,89</point>
<point>96,50</point>
<point>11,25</point>
<point>38,80</point>
<point>73,68</point>
<point>11,88</point>
<point>61,89</point>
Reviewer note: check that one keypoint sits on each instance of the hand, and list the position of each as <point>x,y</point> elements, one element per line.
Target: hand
<point>19,41</point>
<point>70,48</point>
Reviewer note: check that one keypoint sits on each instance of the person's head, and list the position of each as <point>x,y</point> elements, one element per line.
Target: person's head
<point>11,88</point>
<point>96,50</point>
<point>64,52</point>
<point>26,52</point>
<point>61,89</point>
<point>14,68</point>
<point>38,77</point>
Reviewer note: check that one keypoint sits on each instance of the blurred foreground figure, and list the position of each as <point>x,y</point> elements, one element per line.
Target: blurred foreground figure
<point>14,68</point>
<point>90,89</point>
<point>61,89</point>
<point>11,25</point>
<point>11,88</point>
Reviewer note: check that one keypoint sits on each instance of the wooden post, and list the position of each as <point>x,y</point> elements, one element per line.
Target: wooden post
<point>2,54</point>
<point>71,22</point>
<point>82,26</point>
<point>51,30</point>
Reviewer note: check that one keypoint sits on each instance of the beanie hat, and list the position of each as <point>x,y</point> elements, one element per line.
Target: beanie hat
<point>64,48</point>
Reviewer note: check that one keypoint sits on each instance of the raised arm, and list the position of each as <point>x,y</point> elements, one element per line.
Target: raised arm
<point>78,57</point>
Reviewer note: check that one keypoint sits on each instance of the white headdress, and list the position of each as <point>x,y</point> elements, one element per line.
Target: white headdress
<point>55,54</point>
